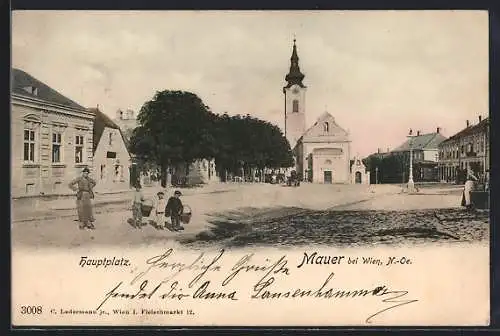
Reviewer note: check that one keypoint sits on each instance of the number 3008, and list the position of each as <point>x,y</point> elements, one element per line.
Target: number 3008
<point>31,310</point>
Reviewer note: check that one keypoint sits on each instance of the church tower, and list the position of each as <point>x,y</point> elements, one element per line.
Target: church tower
<point>295,100</point>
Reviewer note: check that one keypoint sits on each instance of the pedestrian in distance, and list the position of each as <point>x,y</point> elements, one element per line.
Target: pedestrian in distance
<point>174,209</point>
<point>487,180</point>
<point>83,186</point>
<point>468,187</point>
<point>137,200</point>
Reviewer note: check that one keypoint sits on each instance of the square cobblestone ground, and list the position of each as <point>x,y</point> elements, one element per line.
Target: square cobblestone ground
<point>245,215</point>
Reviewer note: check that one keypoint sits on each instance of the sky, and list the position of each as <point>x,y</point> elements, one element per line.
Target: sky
<point>379,73</point>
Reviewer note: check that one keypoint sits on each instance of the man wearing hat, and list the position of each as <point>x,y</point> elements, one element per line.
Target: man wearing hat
<point>174,208</point>
<point>159,204</point>
<point>83,186</point>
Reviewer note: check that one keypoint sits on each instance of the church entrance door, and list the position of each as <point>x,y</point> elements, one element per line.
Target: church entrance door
<point>357,177</point>
<point>328,176</point>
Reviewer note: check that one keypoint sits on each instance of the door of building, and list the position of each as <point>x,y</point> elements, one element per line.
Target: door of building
<point>357,177</point>
<point>328,176</point>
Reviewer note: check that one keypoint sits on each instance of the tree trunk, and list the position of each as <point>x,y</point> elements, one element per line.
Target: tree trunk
<point>163,176</point>
<point>186,179</point>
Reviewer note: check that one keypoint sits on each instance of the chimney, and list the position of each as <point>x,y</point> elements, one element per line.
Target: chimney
<point>480,118</point>
<point>467,123</point>
<point>438,130</point>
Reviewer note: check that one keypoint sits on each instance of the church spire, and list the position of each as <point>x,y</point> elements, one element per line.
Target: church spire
<point>294,76</point>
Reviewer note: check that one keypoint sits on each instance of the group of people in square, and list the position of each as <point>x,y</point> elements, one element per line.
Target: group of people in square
<point>162,209</point>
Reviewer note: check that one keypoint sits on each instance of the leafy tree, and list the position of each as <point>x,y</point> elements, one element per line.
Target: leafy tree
<point>373,164</point>
<point>246,143</point>
<point>175,127</point>
<point>127,134</point>
<point>392,168</point>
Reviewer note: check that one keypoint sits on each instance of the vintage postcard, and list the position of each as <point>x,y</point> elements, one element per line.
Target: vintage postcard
<point>250,168</point>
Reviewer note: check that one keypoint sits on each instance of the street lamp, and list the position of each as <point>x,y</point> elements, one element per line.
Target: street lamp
<point>411,184</point>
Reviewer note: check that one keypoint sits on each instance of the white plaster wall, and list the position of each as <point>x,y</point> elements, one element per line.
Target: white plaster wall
<point>431,155</point>
<point>48,177</point>
<point>295,121</point>
<point>365,176</point>
<point>340,164</point>
<point>122,154</point>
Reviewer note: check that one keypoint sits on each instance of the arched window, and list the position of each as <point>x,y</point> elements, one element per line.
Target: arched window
<point>326,127</point>
<point>295,106</point>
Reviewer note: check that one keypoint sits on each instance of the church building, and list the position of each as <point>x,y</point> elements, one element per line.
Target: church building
<point>322,151</point>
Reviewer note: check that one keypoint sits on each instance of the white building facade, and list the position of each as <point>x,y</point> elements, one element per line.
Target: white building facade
<point>112,161</point>
<point>359,175</point>
<point>200,172</point>
<point>51,138</point>
<point>467,149</point>
<point>322,152</point>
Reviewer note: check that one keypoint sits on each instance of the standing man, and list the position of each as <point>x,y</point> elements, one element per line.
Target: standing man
<point>175,208</point>
<point>83,186</point>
